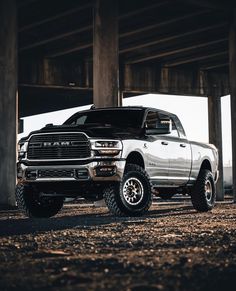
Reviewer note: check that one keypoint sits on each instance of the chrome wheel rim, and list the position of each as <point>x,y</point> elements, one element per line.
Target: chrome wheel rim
<point>208,190</point>
<point>133,191</point>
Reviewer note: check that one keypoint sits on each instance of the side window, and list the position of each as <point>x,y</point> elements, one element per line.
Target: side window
<point>151,119</point>
<point>174,131</point>
<point>81,120</point>
<point>179,127</point>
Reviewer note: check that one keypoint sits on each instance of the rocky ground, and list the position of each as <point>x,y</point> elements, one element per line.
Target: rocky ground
<point>85,248</point>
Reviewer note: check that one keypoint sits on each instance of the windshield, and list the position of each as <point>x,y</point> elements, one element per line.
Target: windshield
<point>121,118</point>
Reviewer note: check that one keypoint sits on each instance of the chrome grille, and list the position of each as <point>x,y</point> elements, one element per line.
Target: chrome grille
<point>58,146</point>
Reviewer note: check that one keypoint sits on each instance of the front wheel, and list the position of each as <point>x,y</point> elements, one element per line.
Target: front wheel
<point>32,205</point>
<point>203,195</point>
<point>132,196</point>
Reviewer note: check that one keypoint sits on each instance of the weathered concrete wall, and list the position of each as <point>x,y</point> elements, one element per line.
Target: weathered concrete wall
<point>8,100</point>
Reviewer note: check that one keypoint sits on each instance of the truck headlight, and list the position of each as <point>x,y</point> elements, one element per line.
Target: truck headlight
<point>106,147</point>
<point>107,144</point>
<point>22,148</point>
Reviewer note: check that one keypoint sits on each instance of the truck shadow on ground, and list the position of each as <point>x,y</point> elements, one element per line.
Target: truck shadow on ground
<point>23,226</point>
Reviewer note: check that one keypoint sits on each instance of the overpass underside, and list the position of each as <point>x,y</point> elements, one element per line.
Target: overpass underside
<point>60,54</point>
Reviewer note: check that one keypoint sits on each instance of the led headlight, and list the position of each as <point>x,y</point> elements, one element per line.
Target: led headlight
<point>107,144</point>
<point>22,148</point>
<point>106,147</point>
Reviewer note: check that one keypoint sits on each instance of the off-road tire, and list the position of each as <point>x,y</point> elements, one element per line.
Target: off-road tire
<point>28,202</point>
<point>201,199</point>
<point>114,194</point>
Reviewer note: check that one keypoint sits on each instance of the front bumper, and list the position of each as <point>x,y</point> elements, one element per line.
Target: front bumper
<point>92,171</point>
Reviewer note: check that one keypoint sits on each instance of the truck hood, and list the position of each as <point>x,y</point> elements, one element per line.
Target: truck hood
<point>95,131</point>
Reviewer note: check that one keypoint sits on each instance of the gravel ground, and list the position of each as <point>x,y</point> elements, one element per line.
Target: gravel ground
<point>85,248</point>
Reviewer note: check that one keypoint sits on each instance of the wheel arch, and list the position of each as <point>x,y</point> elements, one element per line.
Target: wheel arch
<point>206,165</point>
<point>135,158</point>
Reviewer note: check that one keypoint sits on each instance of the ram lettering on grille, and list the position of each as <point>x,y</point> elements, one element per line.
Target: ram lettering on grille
<point>58,146</point>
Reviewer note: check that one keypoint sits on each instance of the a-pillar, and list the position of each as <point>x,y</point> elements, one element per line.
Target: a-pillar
<point>232,71</point>
<point>215,134</point>
<point>105,54</point>
<point>8,100</point>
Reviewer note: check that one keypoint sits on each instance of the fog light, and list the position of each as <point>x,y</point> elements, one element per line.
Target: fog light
<point>31,175</point>
<point>105,171</point>
<point>108,152</point>
<point>82,174</point>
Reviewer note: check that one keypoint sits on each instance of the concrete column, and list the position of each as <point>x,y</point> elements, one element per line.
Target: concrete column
<point>8,100</point>
<point>232,71</point>
<point>215,136</point>
<point>105,54</point>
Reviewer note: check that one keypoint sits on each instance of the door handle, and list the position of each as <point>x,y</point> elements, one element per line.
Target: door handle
<point>182,145</point>
<point>164,143</point>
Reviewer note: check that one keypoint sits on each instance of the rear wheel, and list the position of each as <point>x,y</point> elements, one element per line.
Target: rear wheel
<point>132,196</point>
<point>32,204</point>
<point>204,193</point>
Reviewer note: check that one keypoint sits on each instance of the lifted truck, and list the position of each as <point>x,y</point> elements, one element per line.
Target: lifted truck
<point>120,154</point>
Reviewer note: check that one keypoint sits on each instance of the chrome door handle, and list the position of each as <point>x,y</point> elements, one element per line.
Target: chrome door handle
<point>182,145</point>
<point>164,143</point>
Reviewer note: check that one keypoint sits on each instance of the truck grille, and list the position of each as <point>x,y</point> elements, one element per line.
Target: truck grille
<point>58,146</point>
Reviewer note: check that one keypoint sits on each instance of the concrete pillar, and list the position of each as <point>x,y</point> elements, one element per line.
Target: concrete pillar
<point>105,54</point>
<point>232,71</point>
<point>215,135</point>
<point>8,100</point>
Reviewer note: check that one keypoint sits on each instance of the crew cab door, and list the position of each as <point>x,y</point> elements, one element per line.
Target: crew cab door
<point>179,151</point>
<point>156,152</point>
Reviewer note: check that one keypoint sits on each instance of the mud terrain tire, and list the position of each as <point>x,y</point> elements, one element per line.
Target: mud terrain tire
<point>132,196</point>
<point>204,193</point>
<point>31,205</point>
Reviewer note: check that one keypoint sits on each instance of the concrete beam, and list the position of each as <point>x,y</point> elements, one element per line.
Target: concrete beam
<point>55,17</point>
<point>123,34</point>
<point>172,52</point>
<point>215,134</point>
<point>193,59</point>
<point>105,54</point>
<point>8,100</point>
<point>232,71</point>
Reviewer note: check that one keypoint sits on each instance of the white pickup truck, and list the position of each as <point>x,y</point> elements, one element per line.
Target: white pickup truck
<point>121,154</point>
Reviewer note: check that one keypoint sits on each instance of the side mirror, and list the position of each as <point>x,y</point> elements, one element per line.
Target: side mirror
<point>163,126</point>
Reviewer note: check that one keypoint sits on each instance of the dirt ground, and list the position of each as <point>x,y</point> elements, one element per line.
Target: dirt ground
<point>85,248</point>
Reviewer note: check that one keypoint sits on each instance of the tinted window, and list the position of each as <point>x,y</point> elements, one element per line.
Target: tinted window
<point>174,131</point>
<point>115,118</point>
<point>151,119</point>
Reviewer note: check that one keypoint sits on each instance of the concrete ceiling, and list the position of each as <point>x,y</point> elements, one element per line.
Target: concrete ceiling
<point>173,35</point>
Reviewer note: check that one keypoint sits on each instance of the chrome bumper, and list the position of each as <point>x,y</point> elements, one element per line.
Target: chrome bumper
<point>95,171</point>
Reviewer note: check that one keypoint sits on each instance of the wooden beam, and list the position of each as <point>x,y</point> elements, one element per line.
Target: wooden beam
<point>8,100</point>
<point>171,38</point>
<point>177,51</point>
<point>55,17</point>
<point>195,59</point>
